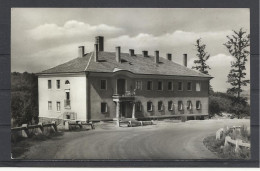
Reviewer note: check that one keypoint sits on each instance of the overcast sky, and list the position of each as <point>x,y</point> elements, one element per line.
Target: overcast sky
<point>43,38</point>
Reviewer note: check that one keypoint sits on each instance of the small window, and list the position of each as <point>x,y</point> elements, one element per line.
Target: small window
<point>58,84</point>
<point>189,86</point>
<point>58,106</point>
<point>160,106</point>
<point>49,105</point>
<point>160,85</point>
<point>170,86</point>
<point>67,95</point>
<point>138,85</point>
<point>149,106</point>
<point>170,105</point>
<point>198,105</point>
<point>149,85</point>
<point>197,86</point>
<point>49,84</point>
<point>189,105</point>
<point>180,86</point>
<point>180,105</point>
<point>67,82</point>
<point>138,106</point>
<point>103,84</point>
<point>103,107</point>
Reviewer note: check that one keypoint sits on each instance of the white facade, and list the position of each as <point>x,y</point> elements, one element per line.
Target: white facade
<point>52,100</point>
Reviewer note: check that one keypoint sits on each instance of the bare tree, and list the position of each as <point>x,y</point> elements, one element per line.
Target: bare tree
<point>238,46</point>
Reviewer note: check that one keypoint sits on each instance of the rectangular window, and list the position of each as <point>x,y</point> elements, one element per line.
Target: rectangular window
<point>180,86</point>
<point>103,107</point>
<point>189,86</point>
<point>58,84</point>
<point>189,105</point>
<point>160,106</point>
<point>138,107</point>
<point>58,106</point>
<point>198,105</point>
<point>49,84</point>
<point>138,85</point>
<point>160,85</point>
<point>149,85</point>
<point>197,86</point>
<point>49,105</point>
<point>103,84</point>
<point>149,106</point>
<point>180,105</point>
<point>170,105</point>
<point>170,86</point>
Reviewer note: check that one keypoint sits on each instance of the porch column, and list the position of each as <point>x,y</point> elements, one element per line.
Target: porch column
<point>117,113</point>
<point>133,112</point>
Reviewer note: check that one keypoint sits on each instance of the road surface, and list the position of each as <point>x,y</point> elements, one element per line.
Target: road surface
<point>165,140</point>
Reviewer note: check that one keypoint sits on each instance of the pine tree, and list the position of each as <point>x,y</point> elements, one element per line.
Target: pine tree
<point>238,46</point>
<point>200,63</point>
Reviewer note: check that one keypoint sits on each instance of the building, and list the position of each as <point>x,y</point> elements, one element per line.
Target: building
<point>109,85</point>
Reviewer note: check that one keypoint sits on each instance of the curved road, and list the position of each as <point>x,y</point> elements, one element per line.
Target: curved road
<point>165,140</point>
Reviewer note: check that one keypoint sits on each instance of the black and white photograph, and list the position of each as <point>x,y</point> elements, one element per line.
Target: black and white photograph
<point>130,83</point>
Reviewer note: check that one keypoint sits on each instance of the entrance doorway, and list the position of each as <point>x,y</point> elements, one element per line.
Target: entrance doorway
<point>121,86</point>
<point>126,109</point>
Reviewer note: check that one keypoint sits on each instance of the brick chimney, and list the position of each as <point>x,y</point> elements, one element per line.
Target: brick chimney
<point>81,51</point>
<point>118,54</point>
<point>145,53</point>
<point>169,56</point>
<point>96,52</point>
<point>131,52</point>
<point>156,56</point>
<point>185,60</point>
<point>100,42</point>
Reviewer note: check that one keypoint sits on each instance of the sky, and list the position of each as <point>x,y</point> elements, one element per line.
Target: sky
<point>42,38</point>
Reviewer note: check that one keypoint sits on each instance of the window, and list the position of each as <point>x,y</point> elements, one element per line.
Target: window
<point>170,85</point>
<point>198,105</point>
<point>58,84</point>
<point>197,86</point>
<point>149,85</point>
<point>149,106</point>
<point>160,85</point>
<point>189,86</point>
<point>67,95</point>
<point>180,105</point>
<point>180,86</point>
<point>67,82</point>
<point>103,107</point>
<point>138,85</point>
<point>160,106</point>
<point>103,84</point>
<point>138,106</point>
<point>49,84</point>
<point>170,105</point>
<point>58,106</point>
<point>49,105</point>
<point>189,105</point>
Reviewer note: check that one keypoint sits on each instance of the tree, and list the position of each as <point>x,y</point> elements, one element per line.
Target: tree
<point>238,46</point>
<point>200,63</point>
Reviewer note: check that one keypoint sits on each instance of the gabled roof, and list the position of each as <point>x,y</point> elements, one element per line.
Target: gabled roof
<point>137,64</point>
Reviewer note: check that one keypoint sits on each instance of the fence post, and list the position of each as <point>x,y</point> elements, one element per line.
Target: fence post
<point>40,128</point>
<point>25,132</point>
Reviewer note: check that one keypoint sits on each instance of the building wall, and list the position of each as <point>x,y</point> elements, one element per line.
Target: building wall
<point>97,95</point>
<point>77,89</point>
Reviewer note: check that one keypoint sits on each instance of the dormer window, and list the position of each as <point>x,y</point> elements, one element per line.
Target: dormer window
<point>67,82</point>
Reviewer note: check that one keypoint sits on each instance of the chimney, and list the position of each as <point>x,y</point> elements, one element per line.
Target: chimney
<point>156,56</point>
<point>131,52</point>
<point>100,42</point>
<point>96,52</point>
<point>145,53</point>
<point>185,60</point>
<point>118,53</point>
<point>169,56</point>
<point>81,51</point>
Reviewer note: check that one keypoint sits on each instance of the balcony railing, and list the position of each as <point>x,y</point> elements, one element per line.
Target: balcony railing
<point>67,104</point>
<point>127,95</point>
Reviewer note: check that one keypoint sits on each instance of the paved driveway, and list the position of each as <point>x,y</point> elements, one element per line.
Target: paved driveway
<point>165,140</point>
